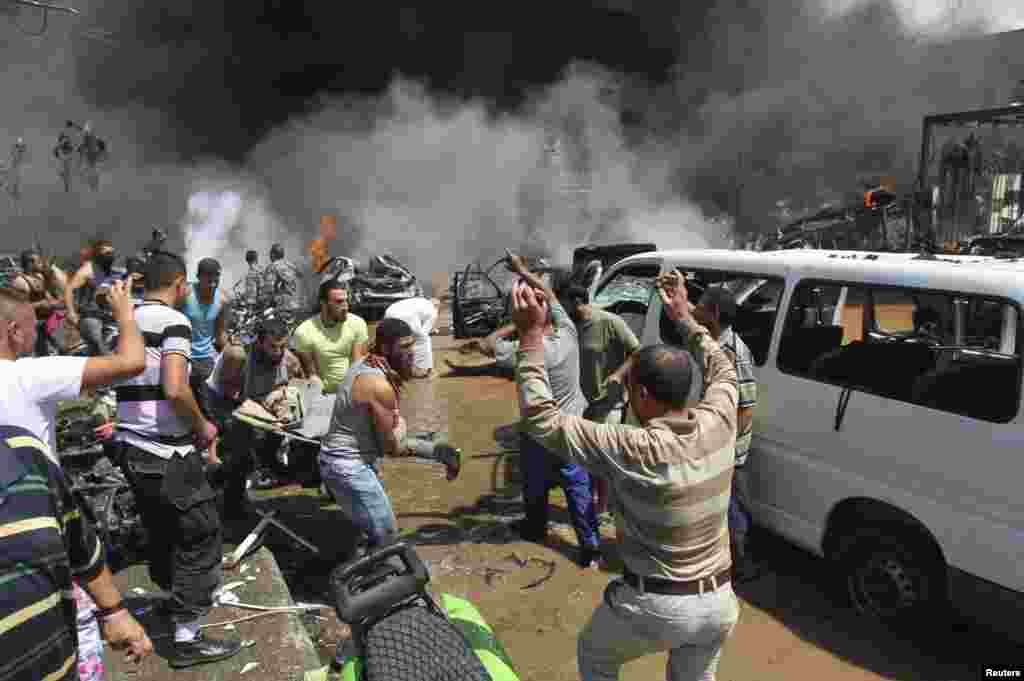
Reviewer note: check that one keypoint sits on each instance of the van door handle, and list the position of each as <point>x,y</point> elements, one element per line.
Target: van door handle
<point>844,401</point>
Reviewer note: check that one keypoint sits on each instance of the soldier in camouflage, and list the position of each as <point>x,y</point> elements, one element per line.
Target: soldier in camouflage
<point>281,285</point>
<point>253,278</point>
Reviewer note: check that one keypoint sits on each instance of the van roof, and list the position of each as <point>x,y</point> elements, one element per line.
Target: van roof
<point>967,273</point>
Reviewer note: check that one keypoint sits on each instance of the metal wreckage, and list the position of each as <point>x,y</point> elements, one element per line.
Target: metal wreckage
<point>480,296</point>
<point>383,282</point>
<point>96,480</point>
<point>966,198</point>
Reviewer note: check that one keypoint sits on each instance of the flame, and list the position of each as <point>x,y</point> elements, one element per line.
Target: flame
<point>318,248</point>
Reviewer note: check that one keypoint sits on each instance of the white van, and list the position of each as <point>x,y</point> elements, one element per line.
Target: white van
<point>887,435</point>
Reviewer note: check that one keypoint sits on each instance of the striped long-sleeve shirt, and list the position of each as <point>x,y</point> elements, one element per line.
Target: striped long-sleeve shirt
<point>45,540</point>
<point>746,383</point>
<point>671,478</point>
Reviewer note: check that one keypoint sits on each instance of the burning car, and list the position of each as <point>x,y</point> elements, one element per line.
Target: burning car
<point>385,281</point>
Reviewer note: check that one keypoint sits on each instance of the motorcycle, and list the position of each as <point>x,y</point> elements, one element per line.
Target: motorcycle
<point>401,633</point>
<point>96,479</point>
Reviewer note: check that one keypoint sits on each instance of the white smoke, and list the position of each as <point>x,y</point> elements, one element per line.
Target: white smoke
<point>222,222</point>
<point>944,16</point>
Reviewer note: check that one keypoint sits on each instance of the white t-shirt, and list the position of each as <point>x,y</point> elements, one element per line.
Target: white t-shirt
<point>421,315</point>
<point>30,389</point>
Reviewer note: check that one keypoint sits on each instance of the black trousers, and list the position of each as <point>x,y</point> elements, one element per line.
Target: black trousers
<point>178,508</point>
<point>243,447</point>
<point>200,371</point>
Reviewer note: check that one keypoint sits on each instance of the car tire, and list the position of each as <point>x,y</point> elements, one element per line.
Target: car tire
<point>895,574</point>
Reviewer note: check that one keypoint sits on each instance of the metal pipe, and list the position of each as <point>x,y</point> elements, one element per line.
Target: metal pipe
<point>959,314</point>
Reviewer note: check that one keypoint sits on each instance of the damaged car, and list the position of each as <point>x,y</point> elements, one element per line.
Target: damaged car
<point>371,291</point>
<point>480,300</point>
<point>480,296</point>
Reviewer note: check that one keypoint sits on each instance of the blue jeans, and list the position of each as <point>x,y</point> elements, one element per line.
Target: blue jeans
<point>739,514</point>
<point>541,469</point>
<point>356,488</point>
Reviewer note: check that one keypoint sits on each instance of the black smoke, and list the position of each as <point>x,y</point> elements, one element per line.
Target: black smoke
<point>419,127</point>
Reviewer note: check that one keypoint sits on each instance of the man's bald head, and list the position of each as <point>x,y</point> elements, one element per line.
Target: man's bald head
<point>666,372</point>
<point>17,324</point>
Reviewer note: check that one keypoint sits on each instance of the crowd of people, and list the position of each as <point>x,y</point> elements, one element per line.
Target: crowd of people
<point>658,435</point>
<point>159,341</point>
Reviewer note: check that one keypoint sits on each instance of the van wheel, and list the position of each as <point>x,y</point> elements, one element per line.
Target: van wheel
<point>894,574</point>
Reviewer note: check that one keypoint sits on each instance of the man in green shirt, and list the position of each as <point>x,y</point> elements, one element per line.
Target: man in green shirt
<point>606,344</point>
<point>328,344</point>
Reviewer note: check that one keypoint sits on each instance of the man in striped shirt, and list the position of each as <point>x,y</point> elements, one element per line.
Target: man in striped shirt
<point>717,311</point>
<point>159,429</point>
<point>45,541</point>
<point>671,479</point>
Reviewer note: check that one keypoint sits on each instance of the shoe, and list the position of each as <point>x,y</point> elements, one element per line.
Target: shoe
<point>745,571</point>
<point>528,532</point>
<point>451,458</point>
<point>590,557</point>
<point>201,651</point>
<point>265,480</point>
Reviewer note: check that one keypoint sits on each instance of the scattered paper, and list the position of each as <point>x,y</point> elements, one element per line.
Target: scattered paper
<point>249,666</point>
<point>248,643</point>
<point>250,578</point>
<point>229,627</point>
<point>138,591</point>
<point>245,566</point>
<point>228,598</point>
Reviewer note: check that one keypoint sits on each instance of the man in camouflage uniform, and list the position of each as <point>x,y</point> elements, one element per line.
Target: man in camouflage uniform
<point>281,285</point>
<point>253,278</point>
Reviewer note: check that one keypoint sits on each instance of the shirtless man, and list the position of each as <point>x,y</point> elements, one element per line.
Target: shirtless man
<point>43,290</point>
<point>91,316</point>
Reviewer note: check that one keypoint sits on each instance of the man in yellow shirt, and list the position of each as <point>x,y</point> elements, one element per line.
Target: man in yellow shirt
<point>329,343</point>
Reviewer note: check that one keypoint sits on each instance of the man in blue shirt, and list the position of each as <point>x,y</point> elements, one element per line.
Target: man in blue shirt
<point>207,309</point>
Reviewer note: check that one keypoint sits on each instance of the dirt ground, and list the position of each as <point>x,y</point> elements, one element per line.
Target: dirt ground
<point>793,622</point>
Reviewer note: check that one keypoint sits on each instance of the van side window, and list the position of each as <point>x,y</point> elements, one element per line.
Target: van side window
<point>628,294</point>
<point>757,301</point>
<point>935,349</point>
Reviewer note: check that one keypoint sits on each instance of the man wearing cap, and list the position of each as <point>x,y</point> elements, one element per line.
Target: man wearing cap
<point>207,309</point>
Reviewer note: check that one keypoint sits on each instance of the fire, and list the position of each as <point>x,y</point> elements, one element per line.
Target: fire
<point>318,248</point>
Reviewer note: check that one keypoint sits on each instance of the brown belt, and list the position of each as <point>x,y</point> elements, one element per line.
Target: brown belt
<point>671,587</point>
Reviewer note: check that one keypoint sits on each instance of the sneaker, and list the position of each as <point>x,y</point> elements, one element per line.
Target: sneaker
<point>745,571</point>
<point>590,557</point>
<point>202,650</point>
<point>265,480</point>
<point>528,532</point>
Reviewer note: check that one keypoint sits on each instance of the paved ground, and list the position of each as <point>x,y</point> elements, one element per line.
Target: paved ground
<point>277,646</point>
